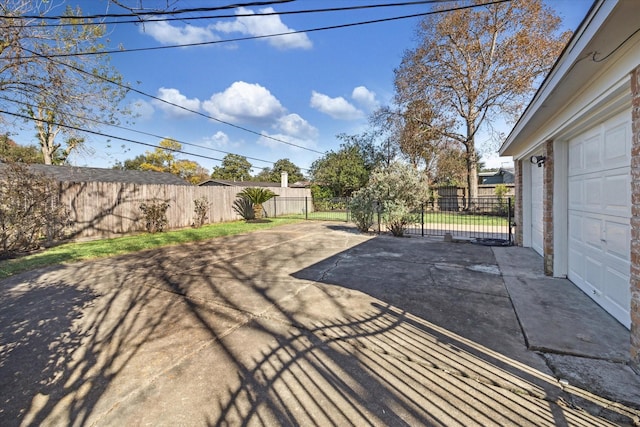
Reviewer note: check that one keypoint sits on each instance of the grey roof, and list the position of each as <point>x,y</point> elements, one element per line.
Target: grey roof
<point>229,183</point>
<point>80,174</point>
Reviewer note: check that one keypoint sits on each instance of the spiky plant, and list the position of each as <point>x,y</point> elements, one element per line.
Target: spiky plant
<point>257,196</point>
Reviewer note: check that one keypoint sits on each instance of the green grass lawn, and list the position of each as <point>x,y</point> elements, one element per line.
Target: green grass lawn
<point>429,218</point>
<point>70,252</point>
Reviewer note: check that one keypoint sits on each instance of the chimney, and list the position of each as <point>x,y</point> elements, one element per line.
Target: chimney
<point>284,179</point>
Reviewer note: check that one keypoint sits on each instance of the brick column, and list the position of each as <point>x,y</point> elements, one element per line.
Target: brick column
<point>635,218</point>
<point>517,210</point>
<point>547,215</point>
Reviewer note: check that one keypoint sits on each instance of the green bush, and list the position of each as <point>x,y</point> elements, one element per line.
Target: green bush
<point>362,207</point>
<point>155,215</point>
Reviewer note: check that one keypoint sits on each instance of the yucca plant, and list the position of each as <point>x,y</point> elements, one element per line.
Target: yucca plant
<point>257,196</point>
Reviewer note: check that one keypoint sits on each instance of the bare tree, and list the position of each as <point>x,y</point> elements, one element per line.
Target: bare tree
<point>474,65</point>
<point>56,75</point>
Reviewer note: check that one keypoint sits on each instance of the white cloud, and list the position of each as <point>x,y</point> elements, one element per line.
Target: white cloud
<point>244,101</point>
<point>365,98</point>
<point>167,34</point>
<point>173,96</point>
<point>257,26</point>
<point>296,126</point>
<point>338,108</point>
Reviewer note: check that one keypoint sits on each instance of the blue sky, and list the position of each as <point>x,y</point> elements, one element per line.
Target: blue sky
<point>302,88</point>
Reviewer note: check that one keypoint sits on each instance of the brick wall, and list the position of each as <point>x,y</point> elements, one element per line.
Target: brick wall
<point>635,219</point>
<point>518,207</point>
<point>547,215</point>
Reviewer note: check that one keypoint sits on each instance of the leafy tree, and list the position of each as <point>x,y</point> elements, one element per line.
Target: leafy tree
<point>10,152</point>
<point>286,165</point>
<point>451,168</point>
<point>475,65</point>
<point>60,94</point>
<point>347,170</point>
<point>234,168</point>
<point>282,165</point>
<point>343,172</point>
<point>163,159</point>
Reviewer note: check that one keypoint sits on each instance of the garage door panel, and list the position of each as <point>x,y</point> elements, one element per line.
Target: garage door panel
<point>618,240</point>
<point>593,272</point>
<point>616,146</point>
<point>617,287</point>
<point>575,159</point>
<point>592,155</point>
<point>592,232</point>
<point>592,189</point>
<point>617,189</point>
<point>576,196</point>
<point>599,214</point>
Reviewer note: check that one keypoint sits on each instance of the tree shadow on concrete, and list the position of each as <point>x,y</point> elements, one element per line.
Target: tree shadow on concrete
<point>261,329</point>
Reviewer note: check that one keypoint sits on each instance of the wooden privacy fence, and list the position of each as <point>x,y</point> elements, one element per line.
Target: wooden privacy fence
<point>109,209</point>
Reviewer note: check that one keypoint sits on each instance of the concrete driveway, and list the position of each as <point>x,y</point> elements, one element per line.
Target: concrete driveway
<point>307,324</point>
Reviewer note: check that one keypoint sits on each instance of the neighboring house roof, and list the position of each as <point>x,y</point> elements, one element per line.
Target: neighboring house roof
<point>301,184</point>
<point>81,174</point>
<point>501,176</point>
<point>229,183</point>
<point>608,26</point>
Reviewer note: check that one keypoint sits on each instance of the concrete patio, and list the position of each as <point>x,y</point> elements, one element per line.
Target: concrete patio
<point>310,324</point>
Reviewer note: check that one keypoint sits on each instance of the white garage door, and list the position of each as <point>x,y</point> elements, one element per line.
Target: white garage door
<point>599,214</point>
<point>537,214</point>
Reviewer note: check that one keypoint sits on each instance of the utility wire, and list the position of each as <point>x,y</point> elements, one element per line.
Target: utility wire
<point>22,116</point>
<point>311,30</point>
<point>146,133</point>
<point>156,12</point>
<point>236,15</point>
<point>129,88</point>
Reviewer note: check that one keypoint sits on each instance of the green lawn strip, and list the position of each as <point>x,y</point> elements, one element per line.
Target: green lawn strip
<point>463,219</point>
<point>70,252</point>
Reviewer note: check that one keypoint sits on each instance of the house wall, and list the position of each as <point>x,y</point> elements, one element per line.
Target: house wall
<point>105,209</point>
<point>547,215</point>
<point>518,217</point>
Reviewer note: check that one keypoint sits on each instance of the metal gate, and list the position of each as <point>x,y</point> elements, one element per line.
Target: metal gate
<point>484,219</point>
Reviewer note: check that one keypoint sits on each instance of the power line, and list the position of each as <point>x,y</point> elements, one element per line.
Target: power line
<point>154,12</point>
<point>129,88</point>
<point>311,30</point>
<point>148,133</point>
<point>236,15</point>
<point>22,116</point>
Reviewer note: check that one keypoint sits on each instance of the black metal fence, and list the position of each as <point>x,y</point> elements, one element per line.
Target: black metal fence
<point>485,218</point>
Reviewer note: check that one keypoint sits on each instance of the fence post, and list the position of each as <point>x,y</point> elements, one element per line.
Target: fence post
<point>275,207</point>
<point>422,218</point>
<point>306,208</point>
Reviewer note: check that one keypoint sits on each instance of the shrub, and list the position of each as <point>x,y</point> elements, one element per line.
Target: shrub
<point>244,208</point>
<point>362,206</point>
<point>400,189</point>
<point>31,214</point>
<point>155,215</point>
<point>200,210</point>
